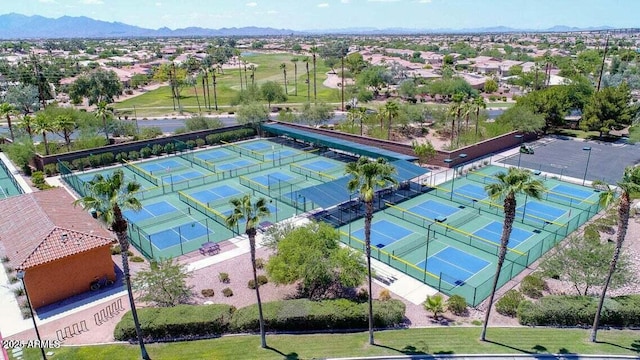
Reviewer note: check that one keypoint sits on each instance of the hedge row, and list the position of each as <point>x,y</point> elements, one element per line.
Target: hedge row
<point>304,314</point>
<point>199,321</point>
<point>621,311</point>
<point>106,159</point>
<point>178,322</point>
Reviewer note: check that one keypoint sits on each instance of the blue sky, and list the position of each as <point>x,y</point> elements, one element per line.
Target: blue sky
<point>337,14</point>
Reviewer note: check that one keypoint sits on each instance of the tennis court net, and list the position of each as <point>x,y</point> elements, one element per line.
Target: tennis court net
<point>190,157</point>
<point>465,218</point>
<point>409,247</point>
<point>244,151</point>
<point>317,175</point>
<point>141,172</point>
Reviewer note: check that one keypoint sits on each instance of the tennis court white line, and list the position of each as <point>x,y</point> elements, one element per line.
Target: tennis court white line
<point>454,265</point>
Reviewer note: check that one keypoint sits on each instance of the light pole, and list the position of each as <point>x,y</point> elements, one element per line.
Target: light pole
<point>453,180</point>
<point>584,178</point>
<point>20,275</point>
<point>521,137</point>
<point>426,252</point>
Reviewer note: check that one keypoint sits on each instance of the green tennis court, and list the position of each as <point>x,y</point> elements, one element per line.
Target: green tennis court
<point>434,209</point>
<point>180,177</point>
<point>215,193</point>
<point>176,235</point>
<point>149,211</point>
<point>235,164</point>
<point>163,167</point>
<point>535,211</point>
<point>493,232</point>
<point>215,155</point>
<point>384,233</point>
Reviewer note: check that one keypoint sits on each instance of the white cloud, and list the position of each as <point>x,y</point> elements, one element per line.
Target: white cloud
<point>158,4</point>
<point>424,1</point>
<point>345,1</point>
<point>47,1</point>
<point>272,12</point>
<point>383,0</point>
<point>252,4</point>
<point>323,5</point>
<point>92,2</point>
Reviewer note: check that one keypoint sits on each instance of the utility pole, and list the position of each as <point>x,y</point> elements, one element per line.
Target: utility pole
<point>36,69</point>
<point>606,47</point>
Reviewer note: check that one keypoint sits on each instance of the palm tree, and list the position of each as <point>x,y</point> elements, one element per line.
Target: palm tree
<point>283,67</point>
<point>43,125</point>
<point>295,75</point>
<point>27,124</point>
<point>66,125</point>
<point>103,112</point>
<point>251,213</point>
<point>314,52</point>
<point>390,111</point>
<point>237,52</point>
<point>306,63</point>
<point>215,93</point>
<point>630,183</point>
<point>253,74</point>
<point>515,181</point>
<point>108,196</point>
<point>456,110</point>
<point>7,110</point>
<point>478,104</point>
<point>367,176</point>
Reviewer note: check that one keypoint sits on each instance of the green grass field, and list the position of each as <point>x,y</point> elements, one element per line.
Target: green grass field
<point>439,340</point>
<point>159,102</point>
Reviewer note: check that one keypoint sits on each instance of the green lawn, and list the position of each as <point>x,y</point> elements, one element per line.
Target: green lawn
<point>440,340</point>
<point>159,102</point>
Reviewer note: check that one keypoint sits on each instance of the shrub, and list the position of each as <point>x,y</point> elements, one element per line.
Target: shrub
<point>107,158</point>
<point>191,144</point>
<point>200,142</point>
<point>262,279</point>
<point>384,295</point>
<point>116,250</point>
<point>136,259</point>
<point>207,292</point>
<point>5,259</point>
<point>133,155</point>
<point>362,295</point>
<point>157,149</point>
<point>304,314</point>
<point>95,160</point>
<point>19,291</point>
<point>259,263</point>
<point>457,305</point>
<point>224,277</point>
<point>508,304</point>
<point>50,169</point>
<point>13,279</point>
<point>532,286</point>
<point>122,157</point>
<point>169,148</point>
<point>212,139</point>
<point>227,292</point>
<point>145,152</point>
<point>178,322</point>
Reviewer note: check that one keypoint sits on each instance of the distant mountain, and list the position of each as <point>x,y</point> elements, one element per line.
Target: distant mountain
<point>16,26</point>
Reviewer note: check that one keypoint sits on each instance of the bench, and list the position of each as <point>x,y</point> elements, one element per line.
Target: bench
<point>209,248</point>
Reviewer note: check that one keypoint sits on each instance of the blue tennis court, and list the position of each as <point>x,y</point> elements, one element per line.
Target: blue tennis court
<point>215,193</point>
<point>279,154</point>
<point>274,177</point>
<point>216,155</point>
<point>568,194</point>
<point>174,236</point>
<point>258,146</point>
<point>163,166</point>
<point>319,165</point>
<point>453,265</point>
<point>539,212</point>
<point>470,192</point>
<point>234,165</point>
<point>433,209</point>
<point>493,233</point>
<point>383,233</point>
<point>149,211</point>
<point>171,179</point>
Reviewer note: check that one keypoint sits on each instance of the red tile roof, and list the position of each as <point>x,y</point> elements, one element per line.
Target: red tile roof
<point>28,221</point>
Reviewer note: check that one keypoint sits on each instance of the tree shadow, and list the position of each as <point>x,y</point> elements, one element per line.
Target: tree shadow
<point>510,347</point>
<point>635,345</point>
<point>539,349</point>
<point>289,356</point>
<point>408,349</point>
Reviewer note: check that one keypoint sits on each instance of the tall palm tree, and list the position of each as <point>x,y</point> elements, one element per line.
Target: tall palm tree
<point>314,53</point>
<point>103,113</point>
<point>251,213</point>
<point>630,183</point>
<point>42,125</point>
<point>246,83</point>
<point>456,110</point>
<point>515,181</point>
<point>7,110</point>
<point>306,64</point>
<point>27,124</point>
<point>283,67</point>
<point>478,104</point>
<point>295,75</point>
<point>237,52</point>
<point>215,92</point>
<point>253,74</point>
<point>390,111</point>
<point>367,176</point>
<point>108,196</point>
